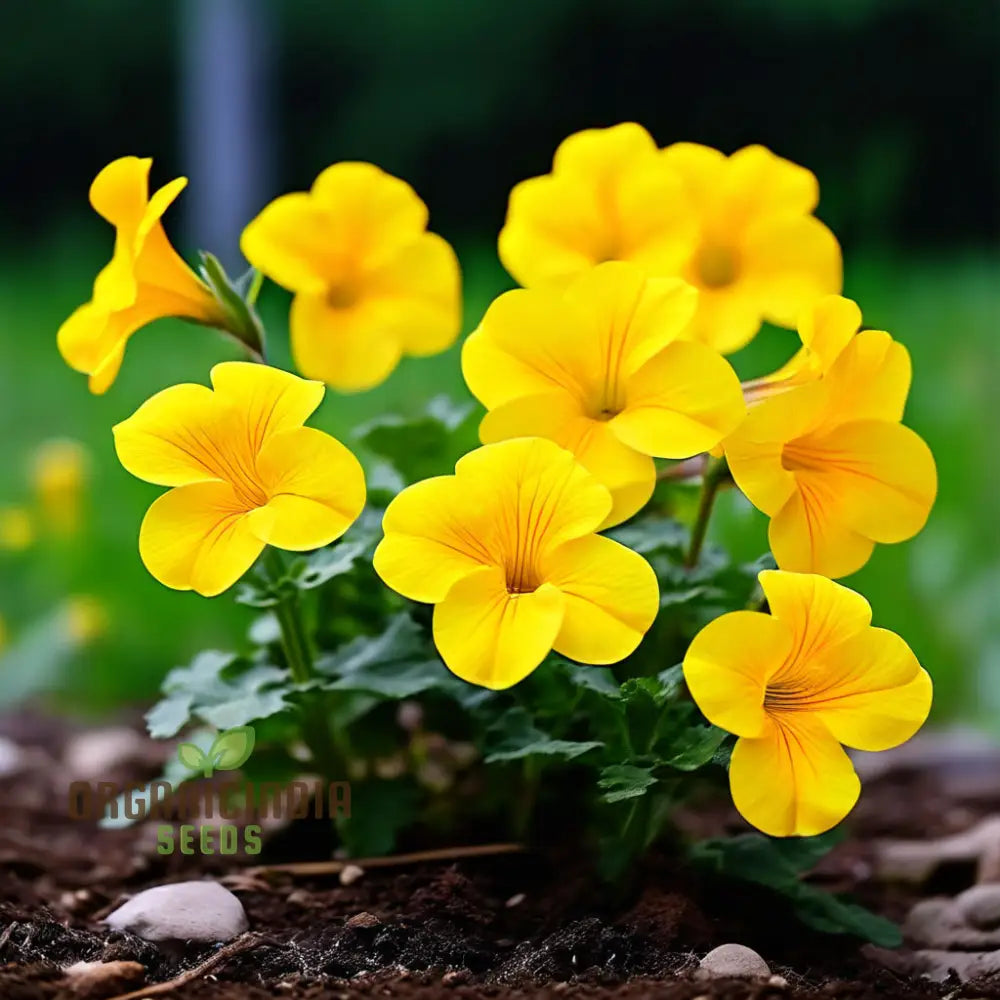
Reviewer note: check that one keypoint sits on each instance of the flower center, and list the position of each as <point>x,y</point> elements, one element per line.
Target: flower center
<point>343,294</point>
<point>715,266</point>
<point>780,697</point>
<point>521,579</point>
<point>800,456</point>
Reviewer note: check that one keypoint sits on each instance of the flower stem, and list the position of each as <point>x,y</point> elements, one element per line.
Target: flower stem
<point>715,474</point>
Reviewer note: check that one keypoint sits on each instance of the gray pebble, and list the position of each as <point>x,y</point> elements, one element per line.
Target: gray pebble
<point>735,960</point>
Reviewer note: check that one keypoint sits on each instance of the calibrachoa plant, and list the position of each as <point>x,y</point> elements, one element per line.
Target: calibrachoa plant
<point>492,630</point>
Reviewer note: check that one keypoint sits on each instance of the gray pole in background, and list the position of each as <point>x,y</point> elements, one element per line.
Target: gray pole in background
<point>226,123</point>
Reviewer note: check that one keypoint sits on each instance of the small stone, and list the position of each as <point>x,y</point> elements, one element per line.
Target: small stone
<point>350,874</point>
<point>735,960</point>
<point>456,977</point>
<point>97,754</point>
<point>12,757</point>
<point>516,900</point>
<point>980,905</point>
<point>364,920</point>
<point>778,982</point>
<point>86,979</point>
<point>182,911</point>
<point>299,898</point>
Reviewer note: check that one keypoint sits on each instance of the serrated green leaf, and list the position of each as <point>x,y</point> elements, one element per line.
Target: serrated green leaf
<point>514,737</point>
<point>597,679</point>
<point>625,781</point>
<point>232,748</point>
<point>192,757</point>
<point>425,445</point>
<point>699,748</point>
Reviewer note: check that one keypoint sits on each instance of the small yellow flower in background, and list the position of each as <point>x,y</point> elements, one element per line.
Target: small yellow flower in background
<point>795,685</point>
<point>760,254</point>
<point>822,451</point>
<point>739,228</point>
<point>86,619</point>
<point>145,280</point>
<point>609,197</point>
<point>16,530</point>
<point>370,283</point>
<point>506,550</point>
<point>600,370</point>
<point>245,473</point>
<point>59,476</point>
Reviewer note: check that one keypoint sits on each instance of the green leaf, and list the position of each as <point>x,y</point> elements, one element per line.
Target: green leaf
<point>779,865</point>
<point>425,445</point>
<point>219,689</point>
<point>625,781</point>
<point>379,810</point>
<point>699,748</point>
<point>652,534</point>
<point>232,748</point>
<point>329,562</point>
<point>600,680</point>
<point>514,737</point>
<point>193,757</point>
<point>242,320</point>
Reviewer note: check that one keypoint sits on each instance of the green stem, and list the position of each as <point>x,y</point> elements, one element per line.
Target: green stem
<point>255,286</point>
<point>299,658</point>
<point>715,474</point>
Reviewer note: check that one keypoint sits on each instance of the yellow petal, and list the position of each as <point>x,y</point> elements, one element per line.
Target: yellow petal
<point>791,261</point>
<point>702,171</point>
<point>422,286</point>
<point>629,475</point>
<point>350,349</point>
<point>490,637</point>
<point>808,534</point>
<point>758,183</point>
<point>870,379</point>
<point>374,214</point>
<point>315,486</point>
<point>163,441</point>
<point>198,538</point>
<point>727,318</point>
<point>819,612</point>
<point>270,400</point>
<point>881,476</point>
<point>828,327</point>
<point>728,664</point>
<point>794,780</point>
<point>876,694</point>
<point>683,401</point>
<point>528,342</point>
<point>104,376</point>
<point>120,193</point>
<point>754,451</point>
<point>436,533</point>
<point>290,242</point>
<point>612,598</point>
<point>543,495</point>
<point>603,153</point>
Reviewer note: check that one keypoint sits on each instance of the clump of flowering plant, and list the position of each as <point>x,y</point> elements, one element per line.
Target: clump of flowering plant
<point>488,629</point>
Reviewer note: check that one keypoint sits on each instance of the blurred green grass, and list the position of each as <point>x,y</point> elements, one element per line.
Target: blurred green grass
<point>939,590</point>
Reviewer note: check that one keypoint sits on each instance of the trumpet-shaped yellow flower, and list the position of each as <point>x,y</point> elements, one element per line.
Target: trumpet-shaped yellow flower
<point>609,197</point>
<point>738,228</point>
<point>145,280</point>
<point>245,473</point>
<point>506,550</point>
<point>795,685</point>
<point>822,451</point>
<point>601,370</point>
<point>760,253</point>
<point>370,283</point>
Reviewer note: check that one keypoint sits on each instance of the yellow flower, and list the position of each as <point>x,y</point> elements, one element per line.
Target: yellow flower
<point>145,280</point>
<point>86,619</point>
<point>370,283</point>
<point>609,197</point>
<point>58,474</point>
<point>760,254</point>
<point>16,530</point>
<point>506,550</point>
<point>600,370</point>
<point>245,473</point>
<point>739,228</point>
<point>822,451</point>
<point>795,685</point>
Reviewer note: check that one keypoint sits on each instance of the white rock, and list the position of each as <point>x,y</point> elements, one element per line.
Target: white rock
<point>734,960</point>
<point>12,757</point>
<point>980,905</point>
<point>183,911</point>
<point>96,753</point>
<point>350,874</point>
<point>87,979</point>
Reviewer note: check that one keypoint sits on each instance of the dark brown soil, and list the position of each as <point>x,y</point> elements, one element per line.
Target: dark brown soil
<point>518,925</point>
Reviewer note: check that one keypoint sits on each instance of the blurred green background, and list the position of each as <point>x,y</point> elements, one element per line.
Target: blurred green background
<point>893,103</point>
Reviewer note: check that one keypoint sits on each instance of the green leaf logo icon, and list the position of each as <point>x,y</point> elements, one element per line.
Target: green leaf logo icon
<point>230,749</point>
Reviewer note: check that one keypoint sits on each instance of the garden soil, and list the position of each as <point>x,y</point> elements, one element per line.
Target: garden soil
<point>530,924</point>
